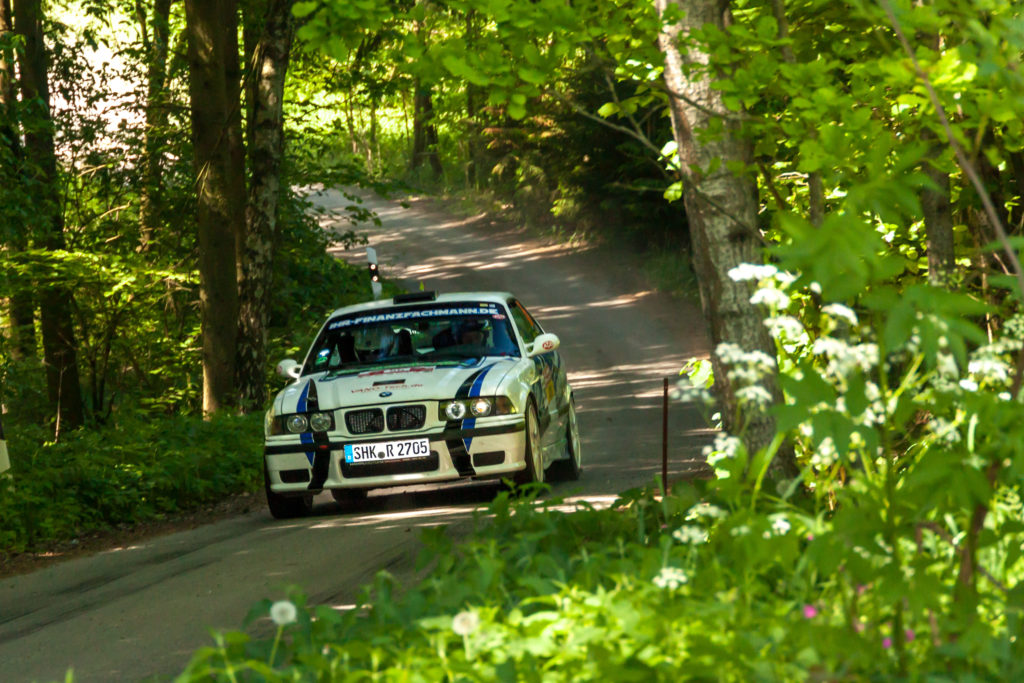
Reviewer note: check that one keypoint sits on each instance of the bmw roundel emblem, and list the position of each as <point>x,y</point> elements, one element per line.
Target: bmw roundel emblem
<point>385,394</point>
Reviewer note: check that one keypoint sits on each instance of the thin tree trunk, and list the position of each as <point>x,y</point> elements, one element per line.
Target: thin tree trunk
<point>156,48</point>
<point>424,132</point>
<point>936,207</point>
<point>938,223</point>
<point>722,212</point>
<point>59,347</point>
<point>21,309</point>
<point>266,135</point>
<point>212,27</point>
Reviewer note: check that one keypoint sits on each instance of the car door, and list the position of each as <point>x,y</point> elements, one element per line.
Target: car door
<point>549,386</point>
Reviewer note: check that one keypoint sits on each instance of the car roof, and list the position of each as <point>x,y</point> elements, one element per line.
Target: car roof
<point>451,297</point>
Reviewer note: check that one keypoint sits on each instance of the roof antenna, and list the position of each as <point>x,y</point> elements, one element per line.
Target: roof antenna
<point>371,257</point>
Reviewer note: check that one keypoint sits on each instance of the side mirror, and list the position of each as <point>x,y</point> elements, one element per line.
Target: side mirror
<point>545,343</point>
<point>288,369</point>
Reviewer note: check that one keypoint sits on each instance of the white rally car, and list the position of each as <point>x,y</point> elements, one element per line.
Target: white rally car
<point>418,389</point>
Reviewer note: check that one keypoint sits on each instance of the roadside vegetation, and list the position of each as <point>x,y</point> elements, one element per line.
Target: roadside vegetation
<point>843,179</point>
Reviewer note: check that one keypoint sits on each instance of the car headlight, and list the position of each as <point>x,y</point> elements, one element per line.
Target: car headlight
<point>476,407</point>
<point>456,410</point>
<point>480,407</point>
<point>321,422</point>
<point>296,424</point>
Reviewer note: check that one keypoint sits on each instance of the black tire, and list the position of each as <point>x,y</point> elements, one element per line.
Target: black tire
<point>570,468</point>
<point>534,471</point>
<point>286,507</point>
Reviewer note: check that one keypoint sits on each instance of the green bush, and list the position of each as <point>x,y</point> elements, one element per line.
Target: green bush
<point>650,589</point>
<point>136,469</point>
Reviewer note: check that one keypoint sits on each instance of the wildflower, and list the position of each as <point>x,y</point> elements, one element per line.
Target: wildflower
<point>909,635</point>
<point>725,446</point>
<point>705,510</point>
<point>968,385</point>
<point>810,611</point>
<point>750,271</point>
<point>770,297</point>
<point>989,368</point>
<point>670,578</point>
<point>840,311</point>
<point>780,526</point>
<point>755,396</point>
<point>690,534</point>
<point>465,622</point>
<point>283,612</point>
<point>887,642</point>
<point>785,326</point>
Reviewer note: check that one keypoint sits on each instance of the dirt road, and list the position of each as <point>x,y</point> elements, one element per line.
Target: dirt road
<point>141,611</point>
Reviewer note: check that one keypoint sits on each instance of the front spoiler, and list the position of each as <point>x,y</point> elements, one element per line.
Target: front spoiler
<point>496,451</point>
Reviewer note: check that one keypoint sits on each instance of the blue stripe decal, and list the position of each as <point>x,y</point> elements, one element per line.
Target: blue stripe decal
<point>474,391</point>
<point>306,437</point>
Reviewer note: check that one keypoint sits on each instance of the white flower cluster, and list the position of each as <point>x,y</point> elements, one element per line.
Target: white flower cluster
<point>755,397</point>
<point>705,510</point>
<point>670,578</point>
<point>1014,328</point>
<point>725,446</point>
<point>780,526</point>
<point>744,367</point>
<point>786,328</point>
<point>773,298</point>
<point>690,535</point>
<point>845,359</point>
<point>988,368</point>
<point>945,432</point>
<point>840,312</point>
<point>750,271</point>
<point>684,390</point>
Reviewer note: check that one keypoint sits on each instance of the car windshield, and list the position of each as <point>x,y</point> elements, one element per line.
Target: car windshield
<point>411,335</point>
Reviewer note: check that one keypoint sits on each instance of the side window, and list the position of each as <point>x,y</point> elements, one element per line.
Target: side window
<point>527,326</point>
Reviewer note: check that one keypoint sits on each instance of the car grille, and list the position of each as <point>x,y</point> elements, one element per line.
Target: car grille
<point>406,417</point>
<point>369,421</point>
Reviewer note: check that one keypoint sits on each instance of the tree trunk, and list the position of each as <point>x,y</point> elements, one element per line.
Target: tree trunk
<point>722,212</point>
<point>424,132</point>
<point>59,348</point>
<point>212,27</point>
<point>21,309</point>
<point>156,49</point>
<point>266,137</point>
<point>938,223</point>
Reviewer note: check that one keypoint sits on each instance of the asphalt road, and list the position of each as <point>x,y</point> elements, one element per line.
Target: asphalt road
<point>139,612</point>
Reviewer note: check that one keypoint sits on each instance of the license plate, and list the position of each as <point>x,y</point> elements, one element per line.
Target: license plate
<point>386,450</point>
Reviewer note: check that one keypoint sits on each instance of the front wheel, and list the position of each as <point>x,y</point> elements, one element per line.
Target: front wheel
<point>571,467</point>
<point>286,507</point>
<point>534,472</point>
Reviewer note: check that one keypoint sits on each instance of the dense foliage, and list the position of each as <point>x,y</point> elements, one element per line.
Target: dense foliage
<point>885,141</point>
<point>692,586</point>
<point>136,469</point>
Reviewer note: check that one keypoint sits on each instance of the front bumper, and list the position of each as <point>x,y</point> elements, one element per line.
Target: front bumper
<point>493,450</point>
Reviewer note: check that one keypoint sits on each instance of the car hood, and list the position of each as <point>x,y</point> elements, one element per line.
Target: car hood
<point>395,385</point>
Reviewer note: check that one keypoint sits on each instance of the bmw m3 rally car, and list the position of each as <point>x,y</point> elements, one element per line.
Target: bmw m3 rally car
<point>422,388</point>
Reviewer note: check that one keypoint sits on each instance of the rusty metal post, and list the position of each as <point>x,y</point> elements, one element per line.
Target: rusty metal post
<point>664,440</point>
